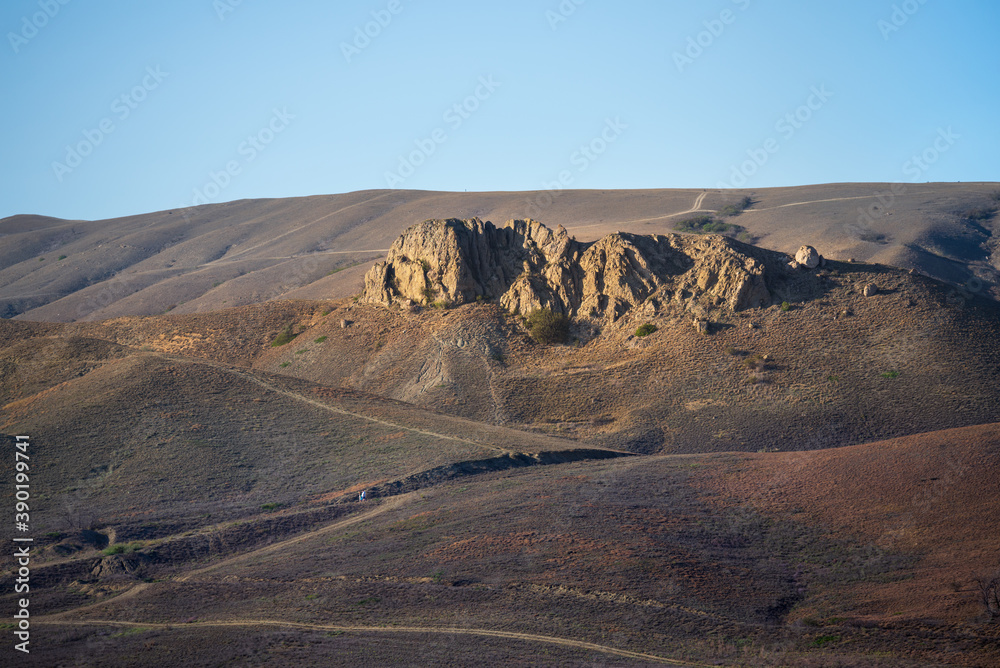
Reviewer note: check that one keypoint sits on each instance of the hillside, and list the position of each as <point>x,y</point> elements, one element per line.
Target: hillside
<point>725,455</point>
<point>775,559</point>
<point>226,255</point>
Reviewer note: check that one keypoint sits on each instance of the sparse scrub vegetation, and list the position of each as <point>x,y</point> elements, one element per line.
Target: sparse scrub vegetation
<point>287,335</point>
<point>548,327</point>
<point>645,329</point>
<point>736,209</point>
<point>978,214</point>
<point>989,594</point>
<point>706,224</point>
<point>785,307</point>
<point>121,548</point>
<point>321,339</point>
<point>890,374</point>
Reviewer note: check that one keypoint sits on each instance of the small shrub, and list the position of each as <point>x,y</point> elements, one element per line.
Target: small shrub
<point>738,208</point>
<point>979,213</point>
<point>891,374</point>
<point>645,330</point>
<point>547,326</point>
<point>833,379</point>
<point>285,364</point>
<point>822,641</point>
<point>785,307</point>
<point>441,304</point>
<point>320,339</point>
<point>299,352</point>
<point>286,336</point>
<point>989,594</point>
<point>62,257</point>
<point>270,506</point>
<point>121,548</point>
<point>56,535</point>
<point>325,313</point>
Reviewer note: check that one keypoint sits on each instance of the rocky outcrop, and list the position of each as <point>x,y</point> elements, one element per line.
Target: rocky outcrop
<point>526,266</point>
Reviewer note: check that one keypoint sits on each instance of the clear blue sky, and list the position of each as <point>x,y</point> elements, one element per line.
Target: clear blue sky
<point>620,78</point>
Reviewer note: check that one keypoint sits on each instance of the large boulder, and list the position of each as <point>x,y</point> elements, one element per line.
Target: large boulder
<point>808,257</point>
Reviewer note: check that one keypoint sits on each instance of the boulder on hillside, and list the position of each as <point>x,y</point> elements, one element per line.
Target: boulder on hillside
<point>808,257</point>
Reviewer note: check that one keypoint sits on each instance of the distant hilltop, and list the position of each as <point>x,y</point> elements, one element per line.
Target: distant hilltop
<point>525,266</point>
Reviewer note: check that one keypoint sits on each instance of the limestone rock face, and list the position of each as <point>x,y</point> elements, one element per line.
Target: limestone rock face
<point>526,266</point>
<point>808,257</point>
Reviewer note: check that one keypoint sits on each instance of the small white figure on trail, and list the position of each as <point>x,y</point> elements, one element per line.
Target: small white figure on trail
<point>361,497</point>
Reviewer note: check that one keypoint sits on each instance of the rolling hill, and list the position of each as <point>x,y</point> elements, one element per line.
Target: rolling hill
<point>730,459</point>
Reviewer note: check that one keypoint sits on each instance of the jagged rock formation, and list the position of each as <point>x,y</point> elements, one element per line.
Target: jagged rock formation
<point>526,266</point>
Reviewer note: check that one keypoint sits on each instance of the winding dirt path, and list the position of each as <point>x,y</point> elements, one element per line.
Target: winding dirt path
<point>815,201</point>
<point>319,404</point>
<point>527,637</point>
<point>392,502</point>
<point>699,200</point>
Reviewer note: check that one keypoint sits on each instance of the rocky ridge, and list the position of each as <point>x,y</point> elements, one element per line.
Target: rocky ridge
<point>525,266</point>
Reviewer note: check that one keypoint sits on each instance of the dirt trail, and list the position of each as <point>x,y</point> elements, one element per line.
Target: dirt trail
<point>319,404</point>
<point>392,502</point>
<point>303,226</point>
<point>694,208</point>
<point>815,201</point>
<point>528,637</point>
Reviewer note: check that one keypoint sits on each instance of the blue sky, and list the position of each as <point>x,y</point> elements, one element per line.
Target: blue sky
<point>115,108</point>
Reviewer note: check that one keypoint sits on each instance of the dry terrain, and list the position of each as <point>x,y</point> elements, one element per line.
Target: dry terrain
<point>812,482</point>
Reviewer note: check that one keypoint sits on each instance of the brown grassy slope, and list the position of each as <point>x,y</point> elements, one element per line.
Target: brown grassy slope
<point>144,438</point>
<point>681,556</point>
<point>935,495</point>
<point>249,251</point>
